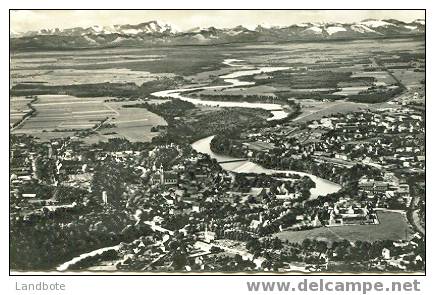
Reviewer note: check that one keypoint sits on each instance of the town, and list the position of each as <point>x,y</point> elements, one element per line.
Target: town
<point>167,207</point>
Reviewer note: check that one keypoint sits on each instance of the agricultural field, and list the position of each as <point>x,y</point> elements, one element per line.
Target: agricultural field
<point>409,78</point>
<point>115,65</point>
<point>56,68</point>
<point>319,79</point>
<point>64,115</point>
<point>392,226</point>
<point>133,124</point>
<point>64,112</point>
<point>19,108</point>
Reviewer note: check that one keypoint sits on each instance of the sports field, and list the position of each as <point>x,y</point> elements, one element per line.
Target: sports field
<point>392,226</point>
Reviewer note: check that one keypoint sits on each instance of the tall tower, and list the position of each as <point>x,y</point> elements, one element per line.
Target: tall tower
<point>50,151</point>
<point>162,174</point>
<point>104,197</point>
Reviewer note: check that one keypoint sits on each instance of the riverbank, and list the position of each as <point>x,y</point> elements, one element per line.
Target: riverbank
<point>323,186</point>
<point>188,122</point>
<point>277,110</point>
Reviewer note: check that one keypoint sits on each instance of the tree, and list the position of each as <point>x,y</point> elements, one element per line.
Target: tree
<point>306,194</point>
<point>179,261</point>
<point>110,177</point>
<point>276,244</point>
<point>306,244</point>
<point>253,245</point>
<point>66,194</point>
<point>45,169</point>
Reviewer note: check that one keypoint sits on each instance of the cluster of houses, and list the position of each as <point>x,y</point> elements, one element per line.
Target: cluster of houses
<point>345,212</point>
<point>389,187</point>
<point>370,138</point>
<point>391,140</point>
<point>191,181</point>
<point>402,255</point>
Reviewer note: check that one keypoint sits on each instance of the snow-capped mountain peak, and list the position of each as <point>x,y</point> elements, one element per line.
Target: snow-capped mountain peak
<point>335,29</point>
<point>154,32</point>
<point>373,23</point>
<point>361,28</point>
<point>313,30</point>
<point>420,21</point>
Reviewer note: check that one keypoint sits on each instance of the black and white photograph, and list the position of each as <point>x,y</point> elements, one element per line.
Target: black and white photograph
<point>217,141</point>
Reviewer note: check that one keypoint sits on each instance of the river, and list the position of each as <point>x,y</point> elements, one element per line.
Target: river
<point>323,186</point>
<point>276,110</point>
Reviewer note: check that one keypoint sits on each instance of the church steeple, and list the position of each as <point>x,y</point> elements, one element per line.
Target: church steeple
<point>162,174</point>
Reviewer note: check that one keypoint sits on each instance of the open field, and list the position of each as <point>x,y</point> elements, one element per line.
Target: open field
<point>409,78</point>
<point>57,68</point>
<point>55,112</point>
<point>343,69</point>
<point>64,115</point>
<point>201,63</point>
<point>328,78</point>
<point>133,124</point>
<point>76,77</point>
<point>319,76</point>
<point>18,109</point>
<point>381,76</point>
<point>392,226</point>
<point>115,65</point>
<point>314,110</point>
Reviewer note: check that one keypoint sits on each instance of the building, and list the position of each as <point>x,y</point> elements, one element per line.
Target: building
<point>104,197</point>
<point>29,196</point>
<point>209,236</point>
<point>162,177</point>
<point>259,194</point>
<point>372,186</point>
<point>386,253</point>
<point>259,146</point>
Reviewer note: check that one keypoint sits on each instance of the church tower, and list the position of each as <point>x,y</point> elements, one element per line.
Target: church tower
<point>162,174</point>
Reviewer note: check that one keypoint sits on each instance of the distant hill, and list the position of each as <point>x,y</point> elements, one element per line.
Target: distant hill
<point>155,33</point>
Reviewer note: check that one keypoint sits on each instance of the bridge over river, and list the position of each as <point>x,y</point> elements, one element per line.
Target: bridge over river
<point>231,161</point>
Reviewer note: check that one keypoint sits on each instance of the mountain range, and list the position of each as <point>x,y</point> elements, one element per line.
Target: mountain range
<point>155,33</point>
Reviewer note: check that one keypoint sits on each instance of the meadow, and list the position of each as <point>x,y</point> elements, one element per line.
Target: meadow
<point>392,226</point>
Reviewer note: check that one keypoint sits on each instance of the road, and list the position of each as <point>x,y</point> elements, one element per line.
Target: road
<point>414,217</point>
<point>30,114</point>
<point>159,228</point>
<point>67,265</point>
<point>380,65</point>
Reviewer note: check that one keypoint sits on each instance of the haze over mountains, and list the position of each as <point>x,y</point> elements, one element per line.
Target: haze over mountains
<point>155,33</point>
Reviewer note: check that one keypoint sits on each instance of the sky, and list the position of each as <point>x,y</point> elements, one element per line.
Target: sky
<point>29,20</point>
